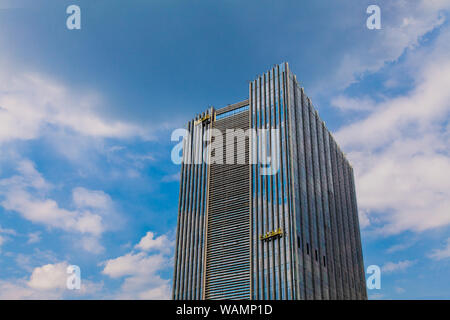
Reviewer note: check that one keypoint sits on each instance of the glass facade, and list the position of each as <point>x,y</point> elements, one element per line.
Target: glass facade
<point>191,233</point>
<point>243,234</point>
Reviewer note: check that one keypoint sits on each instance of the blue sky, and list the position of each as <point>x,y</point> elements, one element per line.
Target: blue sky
<point>86,117</point>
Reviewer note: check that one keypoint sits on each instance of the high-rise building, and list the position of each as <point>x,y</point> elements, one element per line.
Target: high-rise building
<point>245,232</point>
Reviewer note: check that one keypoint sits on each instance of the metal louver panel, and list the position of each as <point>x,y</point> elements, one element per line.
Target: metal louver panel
<point>228,237</point>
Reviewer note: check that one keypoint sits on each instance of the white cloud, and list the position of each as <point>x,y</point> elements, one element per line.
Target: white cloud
<point>141,157</point>
<point>34,237</point>
<point>31,176</point>
<point>49,277</point>
<point>4,238</point>
<point>91,244</point>
<point>141,270</point>
<point>363,218</point>
<point>28,177</point>
<point>390,267</point>
<point>141,275</point>
<point>401,150</point>
<point>403,24</point>
<point>30,103</point>
<point>399,247</point>
<point>171,178</point>
<point>45,282</point>
<point>8,231</point>
<point>133,264</point>
<point>84,198</point>
<point>26,194</point>
<point>161,243</point>
<point>440,254</point>
<point>160,292</point>
<point>48,212</point>
<point>20,290</point>
<point>346,104</point>
<point>429,101</point>
<point>38,257</point>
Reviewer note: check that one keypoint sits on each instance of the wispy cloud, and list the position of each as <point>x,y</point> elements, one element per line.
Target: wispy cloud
<point>352,104</point>
<point>34,237</point>
<point>401,151</point>
<point>404,23</point>
<point>5,235</point>
<point>171,178</point>
<point>140,269</point>
<point>399,247</point>
<point>25,194</point>
<point>32,103</point>
<point>440,254</point>
<point>390,267</point>
<point>7,231</point>
<point>2,240</point>
<point>376,296</point>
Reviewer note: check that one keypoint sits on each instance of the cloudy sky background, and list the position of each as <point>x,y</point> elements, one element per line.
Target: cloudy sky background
<point>86,117</point>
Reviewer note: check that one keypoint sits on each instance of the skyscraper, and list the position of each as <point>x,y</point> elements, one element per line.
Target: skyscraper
<point>246,232</point>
